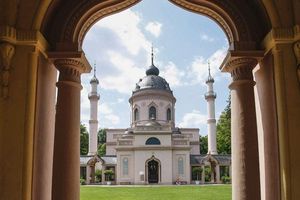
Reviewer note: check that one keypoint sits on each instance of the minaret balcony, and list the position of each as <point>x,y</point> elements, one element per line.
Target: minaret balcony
<point>210,95</point>
<point>94,95</point>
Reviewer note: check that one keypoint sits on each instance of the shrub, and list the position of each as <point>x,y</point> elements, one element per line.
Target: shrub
<point>98,174</point>
<point>196,172</point>
<point>226,179</point>
<point>109,174</point>
<point>82,181</point>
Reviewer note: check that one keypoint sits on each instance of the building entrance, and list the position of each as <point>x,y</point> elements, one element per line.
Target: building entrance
<point>153,171</point>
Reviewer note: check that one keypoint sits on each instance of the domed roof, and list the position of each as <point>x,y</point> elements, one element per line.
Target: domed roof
<point>152,70</point>
<point>152,80</point>
<point>94,80</point>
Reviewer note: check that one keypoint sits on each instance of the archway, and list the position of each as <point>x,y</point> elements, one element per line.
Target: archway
<point>241,29</point>
<point>153,170</point>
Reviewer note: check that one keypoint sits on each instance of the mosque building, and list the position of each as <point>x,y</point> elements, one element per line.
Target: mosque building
<point>153,150</point>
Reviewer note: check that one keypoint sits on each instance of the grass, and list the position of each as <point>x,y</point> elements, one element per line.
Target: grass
<point>208,192</point>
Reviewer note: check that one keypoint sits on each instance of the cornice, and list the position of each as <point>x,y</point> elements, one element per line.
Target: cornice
<point>24,37</point>
<point>281,36</point>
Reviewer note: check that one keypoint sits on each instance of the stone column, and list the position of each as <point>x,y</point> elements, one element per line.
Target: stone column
<point>203,174</point>
<point>217,174</point>
<point>245,159</point>
<point>66,163</point>
<point>230,172</point>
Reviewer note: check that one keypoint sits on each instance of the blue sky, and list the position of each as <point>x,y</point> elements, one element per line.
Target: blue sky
<point>183,43</point>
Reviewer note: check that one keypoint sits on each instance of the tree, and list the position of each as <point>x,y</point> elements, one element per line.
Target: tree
<point>102,136</point>
<point>101,150</point>
<point>101,142</point>
<point>203,144</point>
<point>84,140</point>
<point>224,130</point>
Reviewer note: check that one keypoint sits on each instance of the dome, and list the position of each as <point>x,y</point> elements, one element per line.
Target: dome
<point>153,82</point>
<point>152,70</point>
<point>94,80</point>
<point>210,79</point>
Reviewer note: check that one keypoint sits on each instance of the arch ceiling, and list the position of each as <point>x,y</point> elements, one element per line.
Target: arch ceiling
<point>244,22</point>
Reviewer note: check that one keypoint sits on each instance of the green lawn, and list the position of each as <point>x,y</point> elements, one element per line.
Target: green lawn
<point>219,192</point>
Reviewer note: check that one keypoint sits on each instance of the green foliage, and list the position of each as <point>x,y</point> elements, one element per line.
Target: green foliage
<point>226,179</point>
<point>109,174</point>
<point>82,181</point>
<point>98,175</point>
<point>196,172</point>
<point>101,136</point>
<point>101,150</point>
<point>224,130</point>
<point>84,140</point>
<point>203,145</point>
<point>101,142</point>
<point>207,174</point>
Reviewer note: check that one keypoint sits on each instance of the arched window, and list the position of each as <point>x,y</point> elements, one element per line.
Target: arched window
<point>125,166</point>
<point>136,115</point>
<point>168,114</point>
<point>152,112</point>
<point>180,166</point>
<point>153,141</point>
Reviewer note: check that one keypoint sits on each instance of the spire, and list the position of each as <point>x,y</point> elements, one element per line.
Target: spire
<point>95,66</point>
<point>210,79</point>
<point>94,79</point>
<point>152,55</point>
<point>152,70</point>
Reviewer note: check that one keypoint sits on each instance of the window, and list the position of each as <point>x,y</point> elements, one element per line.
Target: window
<point>136,115</point>
<point>152,112</point>
<point>153,141</point>
<point>125,166</point>
<point>180,166</point>
<point>168,114</point>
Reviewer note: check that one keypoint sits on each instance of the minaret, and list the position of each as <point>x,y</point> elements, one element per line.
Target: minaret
<point>210,97</point>
<point>93,97</point>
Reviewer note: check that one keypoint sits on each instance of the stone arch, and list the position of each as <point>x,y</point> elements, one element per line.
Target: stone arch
<point>136,110</point>
<point>242,28</point>
<point>244,31</point>
<point>152,107</point>
<point>153,158</point>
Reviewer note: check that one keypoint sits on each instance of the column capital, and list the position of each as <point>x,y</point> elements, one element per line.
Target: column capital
<point>70,65</point>
<point>241,68</point>
<point>240,64</point>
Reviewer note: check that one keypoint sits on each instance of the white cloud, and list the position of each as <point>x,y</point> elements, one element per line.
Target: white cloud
<point>193,120</point>
<point>172,74</point>
<point>120,100</point>
<point>105,109</point>
<point>154,28</point>
<point>126,76</point>
<point>106,112</point>
<point>198,70</point>
<point>205,37</point>
<point>113,119</point>
<point>125,25</point>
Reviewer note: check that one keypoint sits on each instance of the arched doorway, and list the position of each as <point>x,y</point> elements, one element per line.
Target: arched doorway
<point>153,170</point>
